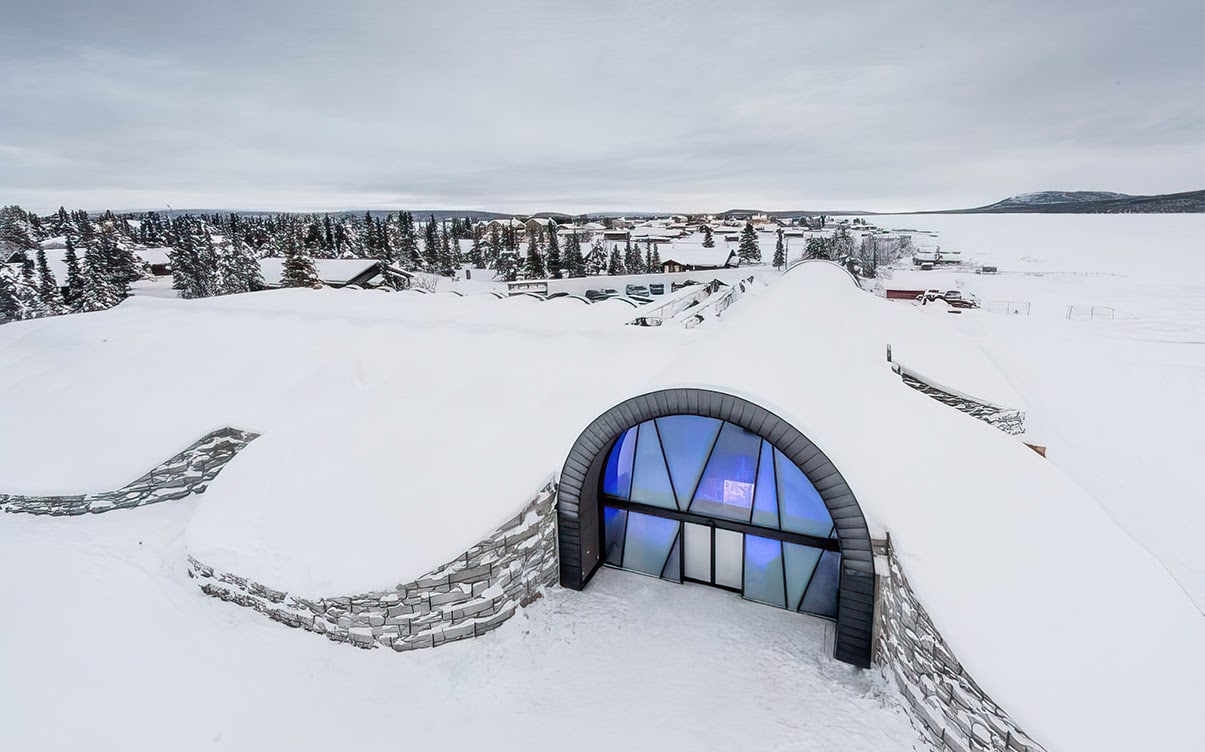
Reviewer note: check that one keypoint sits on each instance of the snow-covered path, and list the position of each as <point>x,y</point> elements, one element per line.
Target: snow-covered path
<point>109,646</point>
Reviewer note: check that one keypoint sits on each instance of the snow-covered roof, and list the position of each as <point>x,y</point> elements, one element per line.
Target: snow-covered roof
<point>696,255</point>
<point>153,255</point>
<point>330,271</point>
<point>398,429</point>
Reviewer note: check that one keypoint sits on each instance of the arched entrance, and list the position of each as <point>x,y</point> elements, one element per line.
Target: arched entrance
<point>704,486</point>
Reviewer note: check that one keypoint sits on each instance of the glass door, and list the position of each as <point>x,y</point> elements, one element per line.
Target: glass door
<point>713,556</point>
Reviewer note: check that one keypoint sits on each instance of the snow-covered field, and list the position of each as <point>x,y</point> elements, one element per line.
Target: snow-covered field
<point>1120,402</point>
<point>109,646</point>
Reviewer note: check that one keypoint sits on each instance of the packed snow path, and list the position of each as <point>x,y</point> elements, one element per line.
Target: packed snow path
<point>110,633</point>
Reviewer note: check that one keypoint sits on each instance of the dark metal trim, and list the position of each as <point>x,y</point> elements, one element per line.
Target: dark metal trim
<point>803,539</point>
<point>579,498</point>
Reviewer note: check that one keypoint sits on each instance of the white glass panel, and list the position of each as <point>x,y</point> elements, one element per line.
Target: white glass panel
<point>763,571</point>
<point>729,553</point>
<point>697,564</point>
<point>647,543</point>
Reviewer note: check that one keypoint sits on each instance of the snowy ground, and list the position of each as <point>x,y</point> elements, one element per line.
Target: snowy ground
<point>109,633</point>
<point>109,646</point>
<point>1119,402</point>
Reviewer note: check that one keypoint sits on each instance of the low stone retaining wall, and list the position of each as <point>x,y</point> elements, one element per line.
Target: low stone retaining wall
<point>189,472</point>
<point>945,701</point>
<point>467,597</point>
<point>1008,420</point>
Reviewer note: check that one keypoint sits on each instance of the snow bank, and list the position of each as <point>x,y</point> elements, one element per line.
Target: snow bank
<point>1058,614</point>
<point>398,429</point>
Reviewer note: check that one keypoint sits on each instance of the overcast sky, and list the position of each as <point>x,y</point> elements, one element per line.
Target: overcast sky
<point>561,105</point>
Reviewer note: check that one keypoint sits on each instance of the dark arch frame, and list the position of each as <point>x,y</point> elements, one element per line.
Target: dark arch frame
<point>578,516</point>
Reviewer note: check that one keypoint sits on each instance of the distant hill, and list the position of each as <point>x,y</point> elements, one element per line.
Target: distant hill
<point>1091,202</point>
<point>440,214</point>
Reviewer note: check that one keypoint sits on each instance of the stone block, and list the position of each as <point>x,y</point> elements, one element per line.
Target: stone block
<point>458,632</point>
<point>470,574</point>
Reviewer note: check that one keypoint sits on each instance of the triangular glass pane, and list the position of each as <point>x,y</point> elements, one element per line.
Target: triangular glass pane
<point>821,597</point>
<point>673,565</point>
<point>799,561</point>
<point>726,489</point>
<point>800,507</point>
<point>614,523</point>
<point>765,497</point>
<point>687,440</point>
<point>617,476</point>
<point>650,480</point>
<point>648,542</point>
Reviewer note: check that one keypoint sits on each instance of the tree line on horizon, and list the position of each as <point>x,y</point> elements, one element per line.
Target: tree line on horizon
<point>218,254</point>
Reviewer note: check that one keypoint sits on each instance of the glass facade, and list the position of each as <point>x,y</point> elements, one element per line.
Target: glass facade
<point>680,473</point>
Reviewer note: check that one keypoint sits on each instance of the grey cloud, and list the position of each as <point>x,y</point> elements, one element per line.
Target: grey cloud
<point>534,105</point>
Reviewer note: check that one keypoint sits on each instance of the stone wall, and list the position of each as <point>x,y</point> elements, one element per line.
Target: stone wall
<point>1008,420</point>
<point>467,597</point>
<point>189,472</point>
<point>944,700</point>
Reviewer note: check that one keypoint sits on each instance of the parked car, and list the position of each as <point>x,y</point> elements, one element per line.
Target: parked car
<point>952,298</point>
<point>675,286</point>
<point>657,288</point>
<point>636,291</point>
<point>601,293</point>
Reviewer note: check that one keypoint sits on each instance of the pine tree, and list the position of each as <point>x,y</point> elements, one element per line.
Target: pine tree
<point>655,266</point>
<point>99,290</point>
<point>780,253</point>
<point>298,268</point>
<point>185,260</point>
<point>574,263</point>
<point>48,287</point>
<point>596,259</point>
<point>122,265</point>
<point>431,244</point>
<point>493,248</point>
<point>615,263</point>
<point>20,300</point>
<point>843,245</point>
<point>384,251</point>
<point>15,231</point>
<point>632,261</point>
<point>75,281</point>
<point>749,250</point>
<point>708,240</point>
<point>533,267</point>
<point>555,263</point>
<point>818,248</point>
<point>328,235</point>
<point>506,267</point>
<point>408,242</point>
<point>445,266</point>
<point>476,259</point>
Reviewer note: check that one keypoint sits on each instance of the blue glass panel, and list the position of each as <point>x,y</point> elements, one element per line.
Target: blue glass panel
<point>617,477</point>
<point>648,542</point>
<point>650,479</point>
<point>673,565</point>
<point>726,489</point>
<point>800,561</point>
<point>614,521</point>
<point>800,506</point>
<point>687,440</point>
<point>765,500</point>
<point>763,571</point>
<point>821,597</point>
